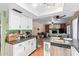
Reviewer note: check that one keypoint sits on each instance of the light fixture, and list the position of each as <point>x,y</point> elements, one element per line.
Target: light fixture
<point>58,19</point>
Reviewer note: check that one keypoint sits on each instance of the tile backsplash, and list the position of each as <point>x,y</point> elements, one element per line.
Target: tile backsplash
<point>14,31</point>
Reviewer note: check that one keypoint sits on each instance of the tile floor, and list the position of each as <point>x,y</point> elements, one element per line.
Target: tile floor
<point>39,50</point>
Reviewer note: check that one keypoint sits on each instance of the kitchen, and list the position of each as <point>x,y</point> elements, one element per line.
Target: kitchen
<point>26,33</point>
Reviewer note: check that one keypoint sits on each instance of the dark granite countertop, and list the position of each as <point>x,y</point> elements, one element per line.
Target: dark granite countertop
<point>19,41</point>
<point>63,45</point>
<point>74,43</point>
<point>47,39</point>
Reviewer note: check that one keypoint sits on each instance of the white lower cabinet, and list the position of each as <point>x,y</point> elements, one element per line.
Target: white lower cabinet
<point>33,44</point>
<point>18,49</point>
<point>28,47</point>
<point>74,52</point>
<point>22,49</point>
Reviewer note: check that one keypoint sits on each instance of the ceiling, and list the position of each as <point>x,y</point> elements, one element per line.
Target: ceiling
<point>43,12</point>
<point>7,6</point>
<point>44,8</point>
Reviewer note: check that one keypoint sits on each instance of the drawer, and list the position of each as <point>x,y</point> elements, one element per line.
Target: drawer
<point>18,46</point>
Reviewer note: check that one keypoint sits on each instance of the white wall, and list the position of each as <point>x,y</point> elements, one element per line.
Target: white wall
<point>37,25</point>
<point>74,27</point>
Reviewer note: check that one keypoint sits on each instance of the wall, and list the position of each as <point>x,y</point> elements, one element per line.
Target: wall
<point>4,28</point>
<point>74,27</point>
<point>37,25</point>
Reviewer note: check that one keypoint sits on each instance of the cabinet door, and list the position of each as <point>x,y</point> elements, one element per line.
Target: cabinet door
<point>28,47</point>
<point>29,24</point>
<point>18,49</point>
<point>24,23</point>
<point>33,44</point>
<point>14,20</point>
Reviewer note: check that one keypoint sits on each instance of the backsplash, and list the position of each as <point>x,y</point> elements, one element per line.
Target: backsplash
<point>14,31</point>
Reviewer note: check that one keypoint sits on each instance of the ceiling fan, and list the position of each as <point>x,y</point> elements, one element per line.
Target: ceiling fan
<point>58,17</point>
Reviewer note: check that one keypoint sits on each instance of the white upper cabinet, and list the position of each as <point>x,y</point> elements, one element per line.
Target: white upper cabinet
<point>13,20</point>
<point>29,24</point>
<point>23,22</point>
<point>18,21</point>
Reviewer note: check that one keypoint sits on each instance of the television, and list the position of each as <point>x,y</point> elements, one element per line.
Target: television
<point>62,31</point>
<point>54,31</point>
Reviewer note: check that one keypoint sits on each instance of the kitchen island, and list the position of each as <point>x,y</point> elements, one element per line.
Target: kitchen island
<point>22,47</point>
<point>75,47</point>
<point>57,47</point>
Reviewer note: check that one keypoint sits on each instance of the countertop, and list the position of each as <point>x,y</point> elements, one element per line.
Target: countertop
<point>19,41</point>
<point>74,43</point>
<point>63,45</point>
<point>47,39</point>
